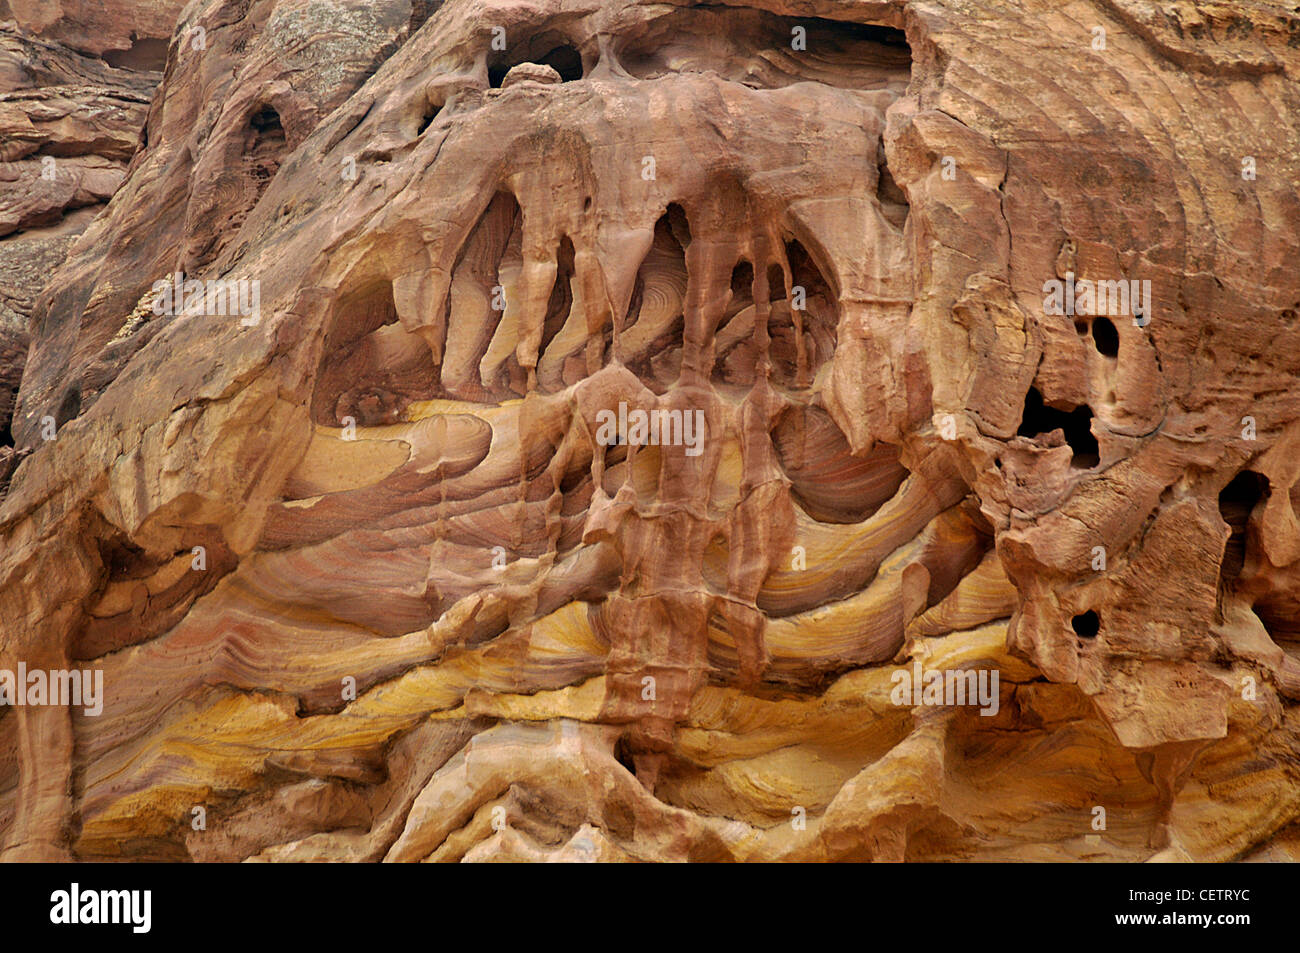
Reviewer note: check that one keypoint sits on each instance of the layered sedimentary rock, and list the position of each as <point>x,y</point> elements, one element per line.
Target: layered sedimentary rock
<point>568,430</point>
<point>70,121</point>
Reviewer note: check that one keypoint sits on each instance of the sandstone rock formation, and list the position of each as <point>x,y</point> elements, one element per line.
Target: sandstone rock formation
<point>70,121</point>
<point>331,463</point>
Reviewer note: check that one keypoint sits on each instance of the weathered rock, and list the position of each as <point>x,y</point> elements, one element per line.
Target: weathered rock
<point>376,563</point>
<point>69,124</point>
<point>127,34</point>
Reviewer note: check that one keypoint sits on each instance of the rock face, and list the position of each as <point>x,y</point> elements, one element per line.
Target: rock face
<point>69,125</point>
<point>575,430</point>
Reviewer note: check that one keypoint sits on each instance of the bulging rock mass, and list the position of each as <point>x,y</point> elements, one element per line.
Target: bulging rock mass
<point>560,430</point>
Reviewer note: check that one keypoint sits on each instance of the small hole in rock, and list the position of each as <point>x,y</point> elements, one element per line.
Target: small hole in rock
<point>1237,501</point>
<point>1105,337</point>
<point>623,755</point>
<point>742,282</point>
<point>6,423</point>
<point>266,144</point>
<point>1086,624</point>
<point>430,113</point>
<point>678,224</point>
<point>1076,424</point>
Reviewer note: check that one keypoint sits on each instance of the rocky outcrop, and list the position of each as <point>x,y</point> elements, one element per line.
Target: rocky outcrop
<point>69,125</point>
<point>575,430</point>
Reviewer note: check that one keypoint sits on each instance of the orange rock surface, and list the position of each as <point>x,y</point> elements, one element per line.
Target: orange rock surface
<point>569,430</point>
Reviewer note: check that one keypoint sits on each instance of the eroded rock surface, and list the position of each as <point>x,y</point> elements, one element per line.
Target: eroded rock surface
<point>69,124</point>
<point>377,565</point>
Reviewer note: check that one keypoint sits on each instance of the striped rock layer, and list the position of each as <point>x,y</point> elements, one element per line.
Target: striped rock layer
<point>367,579</point>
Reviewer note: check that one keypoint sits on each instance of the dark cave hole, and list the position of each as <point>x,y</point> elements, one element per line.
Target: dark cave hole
<point>1105,337</point>
<point>266,144</point>
<point>802,336</point>
<point>807,274</point>
<point>266,121</point>
<point>1086,624</point>
<point>678,224</point>
<point>742,285</point>
<point>430,113</point>
<point>561,301</point>
<point>1237,501</point>
<point>122,559</point>
<point>1039,419</point>
<point>573,478</point>
<point>7,419</point>
<point>649,364</point>
<point>623,755</point>
<point>775,283</point>
<point>564,59</point>
<point>370,370</point>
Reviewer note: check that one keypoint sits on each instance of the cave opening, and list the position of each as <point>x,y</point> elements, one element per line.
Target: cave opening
<point>266,144</point>
<point>678,224</point>
<point>762,50</point>
<point>561,300</point>
<point>742,287</point>
<point>1039,419</point>
<point>775,282</point>
<point>122,559</point>
<point>7,419</point>
<point>651,338</point>
<point>803,334</point>
<point>1237,501</point>
<point>1086,624</point>
<point>623,755</point>
<point>1105,337</point>
<point>69,407</point>
<point>564,58</point>
<point>428,115</point>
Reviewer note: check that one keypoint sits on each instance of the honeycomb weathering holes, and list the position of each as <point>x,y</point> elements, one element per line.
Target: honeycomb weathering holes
<point>481,363</point>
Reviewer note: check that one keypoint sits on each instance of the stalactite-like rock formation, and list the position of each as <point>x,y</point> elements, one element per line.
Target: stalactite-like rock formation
<point>574,430</point>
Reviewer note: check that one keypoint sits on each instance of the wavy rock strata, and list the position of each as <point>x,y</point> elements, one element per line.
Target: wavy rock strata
<point>367,578</point>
